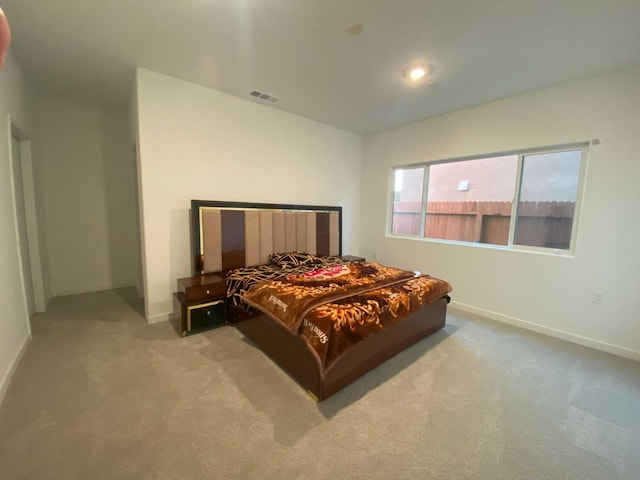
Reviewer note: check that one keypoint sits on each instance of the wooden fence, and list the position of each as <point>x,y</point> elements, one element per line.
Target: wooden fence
<point>542,224</point>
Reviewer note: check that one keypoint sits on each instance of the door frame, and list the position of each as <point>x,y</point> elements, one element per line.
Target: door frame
<point>31,219</point>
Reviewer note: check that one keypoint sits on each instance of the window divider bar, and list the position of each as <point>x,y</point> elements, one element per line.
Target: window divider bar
<point>425,198</point>
<point>516,202</point>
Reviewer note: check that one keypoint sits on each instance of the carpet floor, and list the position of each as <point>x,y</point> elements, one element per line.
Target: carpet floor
<point>99,394</point>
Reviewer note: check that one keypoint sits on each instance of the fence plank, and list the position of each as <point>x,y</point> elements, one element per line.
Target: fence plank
<point>545,224</point>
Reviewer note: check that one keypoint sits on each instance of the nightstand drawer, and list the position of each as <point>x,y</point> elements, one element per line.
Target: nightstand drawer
<point>202,292</point>
<point>206,315</point>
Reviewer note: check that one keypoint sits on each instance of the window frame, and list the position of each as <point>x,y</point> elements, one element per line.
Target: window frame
<point>583,147</point>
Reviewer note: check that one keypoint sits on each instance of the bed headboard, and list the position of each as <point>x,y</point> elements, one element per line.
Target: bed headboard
<point>229,235</point>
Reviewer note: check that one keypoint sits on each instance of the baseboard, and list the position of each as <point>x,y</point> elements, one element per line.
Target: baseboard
<point>552,332</point>
<point>4,385</point>
<point>96,288</point>
<point>163,317</point>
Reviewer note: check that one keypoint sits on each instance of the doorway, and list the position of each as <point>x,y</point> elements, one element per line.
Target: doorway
<point>23,244</point>
<point>27,233</point>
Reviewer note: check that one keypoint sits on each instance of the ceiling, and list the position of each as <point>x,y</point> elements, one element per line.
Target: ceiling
<point>300,51</point>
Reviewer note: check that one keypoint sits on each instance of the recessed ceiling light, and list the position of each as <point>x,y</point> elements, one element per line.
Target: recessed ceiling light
<point>416,73</point>
<point>356,29</point>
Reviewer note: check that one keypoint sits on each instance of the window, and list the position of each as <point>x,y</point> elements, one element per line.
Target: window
<point>548,195</point>
<point>407,202</point>
<point>523,199</point>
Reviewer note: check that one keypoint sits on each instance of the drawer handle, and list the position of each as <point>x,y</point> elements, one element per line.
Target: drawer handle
<point>208,292</point>
<point>208,312</point>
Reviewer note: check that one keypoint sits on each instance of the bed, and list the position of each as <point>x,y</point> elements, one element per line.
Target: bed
<point>322,318</point>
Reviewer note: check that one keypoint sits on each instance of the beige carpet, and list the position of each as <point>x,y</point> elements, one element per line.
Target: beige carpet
<point>100,395</point>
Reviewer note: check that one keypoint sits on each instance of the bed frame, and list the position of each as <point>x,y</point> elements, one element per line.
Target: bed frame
<point>286,228</point>
<point>228,235</point>
<point>294,356</point>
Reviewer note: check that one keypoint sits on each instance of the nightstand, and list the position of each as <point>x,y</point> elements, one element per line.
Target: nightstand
<point>353,258</point>
<point>204,302</point>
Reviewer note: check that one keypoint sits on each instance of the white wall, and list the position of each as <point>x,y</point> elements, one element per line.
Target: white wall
<point>198,143</point>
<point>16,100</point>
<point>87,176</point>
<point>542,292</point>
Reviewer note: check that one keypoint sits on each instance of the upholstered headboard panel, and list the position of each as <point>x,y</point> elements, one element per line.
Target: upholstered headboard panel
<point>230,235</point>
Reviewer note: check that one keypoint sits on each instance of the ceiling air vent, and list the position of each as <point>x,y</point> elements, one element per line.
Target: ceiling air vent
<point>264,96</point>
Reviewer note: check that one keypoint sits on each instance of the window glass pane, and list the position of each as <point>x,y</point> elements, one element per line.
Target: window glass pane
<point>548,193</point>
<point>471,200</point>
<point>407,201</point>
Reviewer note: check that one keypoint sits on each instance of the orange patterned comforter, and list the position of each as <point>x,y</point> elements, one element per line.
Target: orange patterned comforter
<point>336,307</point>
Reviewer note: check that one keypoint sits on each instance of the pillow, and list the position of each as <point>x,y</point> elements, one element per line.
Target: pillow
<point>293,259</point>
